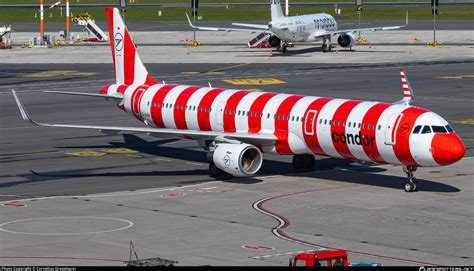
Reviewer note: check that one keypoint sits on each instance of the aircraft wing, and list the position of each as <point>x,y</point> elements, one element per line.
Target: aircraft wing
<point>256,139</point>
<point>380,28</point>
<point>257,26</point>
<point>249,30</point>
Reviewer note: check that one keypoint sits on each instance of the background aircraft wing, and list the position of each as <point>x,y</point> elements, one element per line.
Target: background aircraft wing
<point>257,26</point>
<point>380,28</point>
<point>249,30</point>
<point>255,139</point>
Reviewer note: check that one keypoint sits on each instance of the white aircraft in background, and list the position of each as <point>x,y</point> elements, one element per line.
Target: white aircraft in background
<point>282,30</point>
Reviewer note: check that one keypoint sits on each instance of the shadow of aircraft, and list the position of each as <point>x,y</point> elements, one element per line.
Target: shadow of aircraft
<point>333,169</point>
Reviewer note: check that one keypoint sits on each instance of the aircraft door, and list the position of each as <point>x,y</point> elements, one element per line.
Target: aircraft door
<point>220,113</point>
<point>391,128</point>
<point>136,99</point>
<point>309,123</point>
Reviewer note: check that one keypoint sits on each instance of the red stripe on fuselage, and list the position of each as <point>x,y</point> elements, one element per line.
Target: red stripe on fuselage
<point>255,123</point>
<point>156,111</point>
<point>229,111</point>
<point>312,141</point>
<point>340,116</point>
<point>182,100</point>
<point>128,59</point>
<point>371,118</point>
<point>121,89</point>
<point>402,135</point>
<point>282,145</point>
<point>203,113</point>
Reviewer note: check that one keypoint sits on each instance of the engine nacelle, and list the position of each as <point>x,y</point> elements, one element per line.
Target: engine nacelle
<point>346,40</point>
<point>237,159</point>
<point>274,41</point>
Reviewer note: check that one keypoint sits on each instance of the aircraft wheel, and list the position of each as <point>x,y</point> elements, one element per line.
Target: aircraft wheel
<point>303,162</point>
<point>410,187</point>
<point>218,173</point>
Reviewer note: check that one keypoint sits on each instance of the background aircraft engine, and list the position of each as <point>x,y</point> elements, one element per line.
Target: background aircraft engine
<point>274,41</point>
<point>346,40</point>
<point>237,159</point>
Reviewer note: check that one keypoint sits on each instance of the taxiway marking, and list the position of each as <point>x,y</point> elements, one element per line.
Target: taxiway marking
<point>255,81</point>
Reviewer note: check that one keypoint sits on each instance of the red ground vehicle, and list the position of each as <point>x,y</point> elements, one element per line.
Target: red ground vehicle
<point>321,258</point>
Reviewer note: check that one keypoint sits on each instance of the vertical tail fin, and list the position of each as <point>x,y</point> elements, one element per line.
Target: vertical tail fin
<point>408,96</point>
<point>129,68</point>
<point>277,12</point>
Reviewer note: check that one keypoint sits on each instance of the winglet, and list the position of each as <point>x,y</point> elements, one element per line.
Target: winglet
<point>23,112</point>
<point>406,22</point>
<point>408,95</point>
<point>189,21</point>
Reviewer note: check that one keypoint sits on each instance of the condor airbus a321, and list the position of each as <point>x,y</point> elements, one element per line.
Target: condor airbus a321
<point>236,126</point>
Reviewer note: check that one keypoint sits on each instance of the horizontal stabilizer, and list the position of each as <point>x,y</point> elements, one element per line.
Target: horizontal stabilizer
<point>114,96</point>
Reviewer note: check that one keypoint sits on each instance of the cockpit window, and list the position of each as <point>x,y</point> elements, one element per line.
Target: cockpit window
<point>449,128</point>
<point>438,129</point>
<point>426,129</point>
<point>417,129</point>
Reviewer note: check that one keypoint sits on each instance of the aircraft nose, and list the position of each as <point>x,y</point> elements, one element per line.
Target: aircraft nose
<point>447,148</point>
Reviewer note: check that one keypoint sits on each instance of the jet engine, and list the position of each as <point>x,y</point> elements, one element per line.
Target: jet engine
<point>237,159</point>
<point>274,41</point>
<point>346,40</point>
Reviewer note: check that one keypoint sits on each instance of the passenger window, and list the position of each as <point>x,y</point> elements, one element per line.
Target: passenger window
<point>438,129</point>
<point>268,115</point>
<point>379,127</point>
<point>358,125</point>
<point>325,122</point>
<point>426,129</point>
<point>298,118</point>
<point>417,129</point>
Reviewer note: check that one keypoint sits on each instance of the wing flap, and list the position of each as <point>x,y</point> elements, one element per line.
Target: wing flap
<point>251,31</point>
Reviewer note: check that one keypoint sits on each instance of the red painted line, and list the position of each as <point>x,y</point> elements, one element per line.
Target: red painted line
<point>255,123</point>
<point>156,111</point>
<point>182,100</point>
<point>340,116</point>
<point>372,117</point>
<point>203,115</point>
<point>312,141</point>
<point>282,145</point>
<point>63,258</point>
<point>286,223</point>
<point>229,110</point>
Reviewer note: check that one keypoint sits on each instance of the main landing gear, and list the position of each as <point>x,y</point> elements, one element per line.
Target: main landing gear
<point>216,172</point>
<point>282,47</point>
<point>303,162</point>
<point>410,186</point>
<point>327,45</point>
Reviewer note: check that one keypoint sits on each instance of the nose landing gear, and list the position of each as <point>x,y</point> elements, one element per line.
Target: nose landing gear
<point>410,186</point>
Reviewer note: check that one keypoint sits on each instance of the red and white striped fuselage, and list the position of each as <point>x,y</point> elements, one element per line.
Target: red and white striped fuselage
<point>351,129</point>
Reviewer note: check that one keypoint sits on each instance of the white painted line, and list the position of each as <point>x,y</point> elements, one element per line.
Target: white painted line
<point>130,224</point>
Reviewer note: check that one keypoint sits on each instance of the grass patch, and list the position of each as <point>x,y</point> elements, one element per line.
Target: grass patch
<point>244,13</point>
